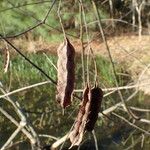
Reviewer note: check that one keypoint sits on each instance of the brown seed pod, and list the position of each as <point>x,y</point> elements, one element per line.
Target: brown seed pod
<point>76,135</point>
<point>65,73</point>
<point>87,115</point>
<point>96,96</point>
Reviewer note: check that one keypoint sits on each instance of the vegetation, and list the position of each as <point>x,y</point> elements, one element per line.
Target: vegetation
<point>34,21</point>
<point>16,16</point>
<point>23,74</point>
<point>40,104</point>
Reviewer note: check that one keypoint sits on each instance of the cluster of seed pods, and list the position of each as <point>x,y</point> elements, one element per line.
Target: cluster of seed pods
<point>92,97</point>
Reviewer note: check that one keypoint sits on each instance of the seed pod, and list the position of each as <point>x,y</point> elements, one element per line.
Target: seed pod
<point>87,115</point>
<point>76,135</point>
<point>66,73</point>
<point>96,96</point>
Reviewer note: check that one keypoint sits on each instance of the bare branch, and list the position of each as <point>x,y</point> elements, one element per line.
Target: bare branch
<point>131,124</point>
<point>21,125</point>
<point>25,88</point>
<point>59,142</point>
<point>24,122</point>
<point>28,134</point>
<point>48,136</point>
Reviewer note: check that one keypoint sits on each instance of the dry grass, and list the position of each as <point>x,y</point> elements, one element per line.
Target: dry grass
<point>125,50</point>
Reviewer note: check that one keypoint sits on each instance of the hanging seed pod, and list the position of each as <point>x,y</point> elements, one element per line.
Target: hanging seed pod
<point>87,115</point>
<point>76,135</point>
<point>65,74</point>
<point>6,59</point>
<point>96,96</point>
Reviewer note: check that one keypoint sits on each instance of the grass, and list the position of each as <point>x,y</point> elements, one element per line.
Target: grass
<point>24,73</point>
<point>21,72</point>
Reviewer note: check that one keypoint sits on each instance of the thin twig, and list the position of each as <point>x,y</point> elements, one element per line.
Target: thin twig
<point>140,109</point>
<point>12,145</point>
<point>48,136</point>
<point>40,22</point>
<point>95,140</point>
<point>62,140</point>
<point>142,141</point>
<point>119,88</point>
<point>21,125</point>
<point>82,47</point>
<point>89,47</point>
<point>88,39</point>
<point>25,131</point>
<point>131,124</point>
<point>59,142</point>
<point>18,110</point>
<point>141,119</point>
<point>48,12</point>
<point>110,109</point>
<point>60,19</point>
<point>23,5</point>
<point>49,60</point>
<point>24,88</point>
<point>133,145</point>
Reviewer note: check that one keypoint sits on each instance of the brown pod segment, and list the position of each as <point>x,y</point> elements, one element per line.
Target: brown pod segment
<point>96,96</point>
<point>87,115</point>
<point>77,133</point>
<point>65,73</point>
